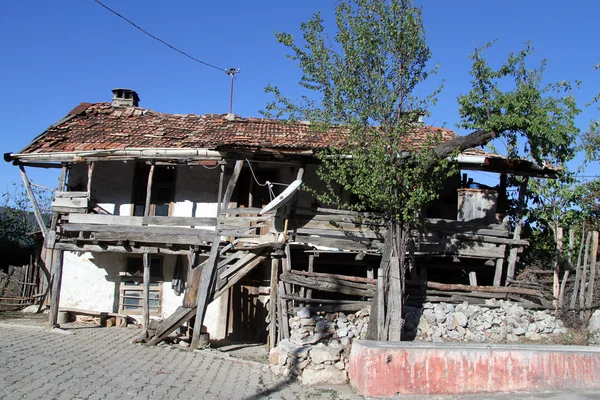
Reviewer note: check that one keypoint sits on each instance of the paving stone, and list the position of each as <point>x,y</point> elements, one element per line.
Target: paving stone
<point>101,363</point>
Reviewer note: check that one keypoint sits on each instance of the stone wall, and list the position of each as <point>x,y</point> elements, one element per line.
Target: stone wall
<point>319,345</point>
<point>497,321</point>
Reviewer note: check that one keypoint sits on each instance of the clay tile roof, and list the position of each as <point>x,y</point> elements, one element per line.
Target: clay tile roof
<point>103,127</point>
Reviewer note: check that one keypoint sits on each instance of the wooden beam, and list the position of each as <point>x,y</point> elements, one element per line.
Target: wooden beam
<point>499,271</point>
<point>311,268</point>
<point>149,191</point>
<point>146,292</point>
<point>273,302</point>
<point>34,203</point>
<point>207,277</point>
<point>89,181</point>
<point>329,285</point>
<point>473,278</point>
<point>57,266</point>
<point>512,258</point>
<point>54,257</point>
<point>593,268</point>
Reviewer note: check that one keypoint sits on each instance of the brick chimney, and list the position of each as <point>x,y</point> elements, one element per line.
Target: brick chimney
<point>125,98</point>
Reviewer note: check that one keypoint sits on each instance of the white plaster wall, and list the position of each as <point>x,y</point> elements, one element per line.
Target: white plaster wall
<point>112,184</point>
<point>91,281</point>
<point>196,191</point>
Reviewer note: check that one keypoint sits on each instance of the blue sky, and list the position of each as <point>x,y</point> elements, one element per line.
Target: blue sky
<point>59,53</point>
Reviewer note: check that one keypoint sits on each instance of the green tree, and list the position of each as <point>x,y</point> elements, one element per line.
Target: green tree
<point>17,222</point>
<point>364,84</point>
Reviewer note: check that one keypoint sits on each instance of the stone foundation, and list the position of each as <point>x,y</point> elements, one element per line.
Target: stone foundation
<point>318,349</point>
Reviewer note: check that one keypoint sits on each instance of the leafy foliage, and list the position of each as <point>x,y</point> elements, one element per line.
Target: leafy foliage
<point>534,120</point>
<point>366,82</point>
<point>17,219</point>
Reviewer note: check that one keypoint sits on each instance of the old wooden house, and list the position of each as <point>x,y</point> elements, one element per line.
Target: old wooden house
<point>159,215</point>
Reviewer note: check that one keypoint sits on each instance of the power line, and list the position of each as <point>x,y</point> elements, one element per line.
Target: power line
<point>160,40</point>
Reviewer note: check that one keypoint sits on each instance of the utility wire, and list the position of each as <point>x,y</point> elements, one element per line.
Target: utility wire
<point>159,39</point>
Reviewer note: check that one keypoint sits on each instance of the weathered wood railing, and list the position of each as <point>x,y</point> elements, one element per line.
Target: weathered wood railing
<point>320,228</point>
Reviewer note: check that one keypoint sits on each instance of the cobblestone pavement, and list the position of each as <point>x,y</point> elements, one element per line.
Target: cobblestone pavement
<point>101,363</point>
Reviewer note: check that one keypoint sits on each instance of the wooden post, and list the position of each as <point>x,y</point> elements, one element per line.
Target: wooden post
<point>311,268</point>
<point>558,237</point>
<point>207,277</point>
<point>498,272</point>
<point>473,278</point>
<point>57,266</point>
<point>284,326</point>
<point>273,302</point>
<point>586,253</point>
<point>146,292</point>
<point>54,258</point>
<point>89,181</point>
<point>146,259</point>
<point>376,325</point>
<point>34,203</point>
<point>578,271</point>
<point>394,309</point>
<point>512,258</point>
<point>380,297</point>
<point>593,267</point>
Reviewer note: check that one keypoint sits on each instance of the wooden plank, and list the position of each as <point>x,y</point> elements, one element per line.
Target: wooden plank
<point>302,216</point>
<point>336,233</point>
<point>325,285</point>
<point>241,210</point>
<point>468,288</point>
<point>109,248</point>
<point>102,219</point>
<point>153,238</point>
<point>336,276</point>
<point>354,244</point>
<point>207,278</point>
<point>69,195</point>
<point>239,275</point>
<point>345,307</point>
<point>174,321</point>
<point>231,269</point>
<point>70,202</point>
<point>139,221</point>
<point>322,301</point>
<point>70,210</point>
<point>180,221</point>
<point>159,230</point>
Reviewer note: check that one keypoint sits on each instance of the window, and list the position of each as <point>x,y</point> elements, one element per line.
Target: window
<point>163,189</point>
<point>132,287</point>
<point>131,297</point>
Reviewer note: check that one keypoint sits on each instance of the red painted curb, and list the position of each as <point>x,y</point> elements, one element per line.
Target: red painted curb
<point>388,368</point>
